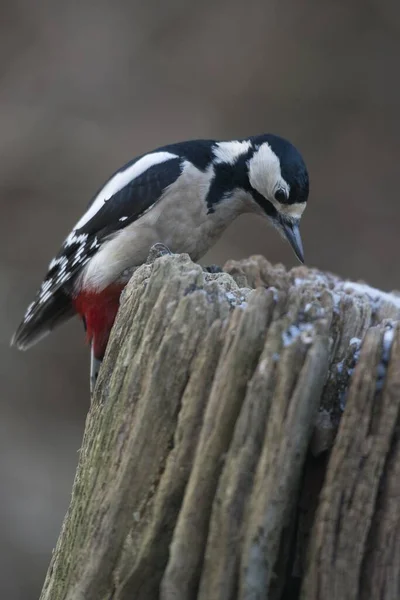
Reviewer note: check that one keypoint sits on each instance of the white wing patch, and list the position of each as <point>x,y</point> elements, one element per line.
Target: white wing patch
<point>229,152</point>
<point>120,180</point>
<point>75,238</point>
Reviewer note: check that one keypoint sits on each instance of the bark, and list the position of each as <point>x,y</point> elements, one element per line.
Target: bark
<point>242,443</point>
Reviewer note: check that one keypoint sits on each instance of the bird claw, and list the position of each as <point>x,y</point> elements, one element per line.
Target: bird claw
<point>157,251</point>
<point>213,269</point>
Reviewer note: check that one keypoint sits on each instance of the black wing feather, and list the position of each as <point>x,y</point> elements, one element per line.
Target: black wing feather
<point>133,200</point>
<point>52,304</point>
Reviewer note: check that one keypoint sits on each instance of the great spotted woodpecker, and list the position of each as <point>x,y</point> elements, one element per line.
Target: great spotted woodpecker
<point>183,195</point>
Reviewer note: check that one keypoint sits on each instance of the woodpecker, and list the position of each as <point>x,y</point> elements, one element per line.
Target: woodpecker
<point>182,195</point>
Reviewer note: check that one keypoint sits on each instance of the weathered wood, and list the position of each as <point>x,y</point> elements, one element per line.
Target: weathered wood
<point>207,441</point>
<point>343,536</point>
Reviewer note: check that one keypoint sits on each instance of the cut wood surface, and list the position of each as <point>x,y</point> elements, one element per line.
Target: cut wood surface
<point>242,442</point>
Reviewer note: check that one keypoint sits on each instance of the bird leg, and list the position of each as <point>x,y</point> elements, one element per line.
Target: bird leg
<point>95,364</point>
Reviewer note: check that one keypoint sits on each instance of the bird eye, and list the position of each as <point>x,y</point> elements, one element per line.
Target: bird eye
<point>280,195</point>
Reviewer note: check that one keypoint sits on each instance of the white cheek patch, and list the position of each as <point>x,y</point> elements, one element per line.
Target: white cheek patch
<point>264,170</point>
<point>265,174</point>
<point>121,179</point>
<point>294,210</point>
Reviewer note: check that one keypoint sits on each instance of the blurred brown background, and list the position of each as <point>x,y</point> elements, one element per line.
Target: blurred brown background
<point>87,85</point>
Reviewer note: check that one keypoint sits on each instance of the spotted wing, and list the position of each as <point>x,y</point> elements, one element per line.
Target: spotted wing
<point>126,196</point>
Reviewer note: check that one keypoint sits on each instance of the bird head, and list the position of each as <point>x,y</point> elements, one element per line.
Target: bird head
<point>279,185</point>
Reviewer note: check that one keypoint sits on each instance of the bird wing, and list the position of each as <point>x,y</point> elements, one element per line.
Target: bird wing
<point>125,197</point>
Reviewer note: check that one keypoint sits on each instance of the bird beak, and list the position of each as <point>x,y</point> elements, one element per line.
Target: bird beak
<point>292,233</point>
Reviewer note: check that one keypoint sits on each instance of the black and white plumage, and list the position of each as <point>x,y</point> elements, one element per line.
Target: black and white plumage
<point>183,195</point>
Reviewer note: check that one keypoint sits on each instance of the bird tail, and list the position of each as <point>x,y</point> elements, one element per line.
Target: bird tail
<point>41,318</point>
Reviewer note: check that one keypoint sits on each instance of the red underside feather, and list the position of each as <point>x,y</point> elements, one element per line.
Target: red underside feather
<point>99,310</point>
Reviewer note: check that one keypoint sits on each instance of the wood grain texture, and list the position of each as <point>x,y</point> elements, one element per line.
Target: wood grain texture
<point>242,443</point>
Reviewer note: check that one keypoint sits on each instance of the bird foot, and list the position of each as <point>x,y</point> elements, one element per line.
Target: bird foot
<point>213,269</point>
<point>156,251</point>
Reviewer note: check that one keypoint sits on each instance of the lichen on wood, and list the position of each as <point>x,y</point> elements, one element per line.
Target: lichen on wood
<point>242,442</point>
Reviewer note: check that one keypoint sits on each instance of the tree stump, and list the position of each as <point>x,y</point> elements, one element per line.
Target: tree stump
<point>242,443</point>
